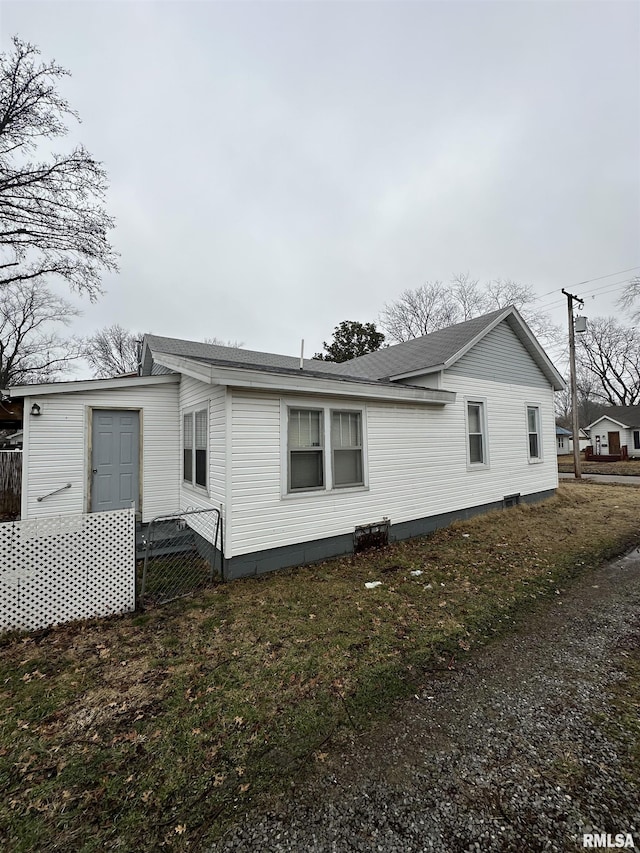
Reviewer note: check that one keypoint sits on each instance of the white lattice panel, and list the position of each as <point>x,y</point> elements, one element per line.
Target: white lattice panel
<point>66,567</point>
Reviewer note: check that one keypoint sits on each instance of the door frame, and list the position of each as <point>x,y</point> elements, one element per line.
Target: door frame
<point>105,407</point>
<point>609,434</point>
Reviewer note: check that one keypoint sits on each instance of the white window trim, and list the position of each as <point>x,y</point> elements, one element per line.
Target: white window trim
<point>191,485</point>
<point>486,462</point>
<point>534,460</point>
<point>327,407</point>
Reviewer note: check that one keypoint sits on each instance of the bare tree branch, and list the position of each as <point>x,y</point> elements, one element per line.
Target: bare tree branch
<point>112,351</point>
<point>53,222</point>
<point>30,351</point>
<point>436,305</point>
<point>610,352</point>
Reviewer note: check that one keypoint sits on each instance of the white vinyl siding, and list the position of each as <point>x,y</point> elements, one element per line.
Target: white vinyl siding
<point>57,452</point>
<point>501,358</point>
<point>415,464</point>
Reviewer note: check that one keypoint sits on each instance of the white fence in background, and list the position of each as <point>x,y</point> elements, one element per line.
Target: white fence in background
<point>66,567</point>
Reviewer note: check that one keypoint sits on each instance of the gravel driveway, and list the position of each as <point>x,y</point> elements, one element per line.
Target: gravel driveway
<point>504,754</point>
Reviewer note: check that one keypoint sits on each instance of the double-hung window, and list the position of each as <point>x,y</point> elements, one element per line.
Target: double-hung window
<point>476,432</point>
<point>346,447</point>
<point>533,430</point>
<point>636,439</point>
<point>306,449</point>
<point>324,449</point>
<point>194,448</point>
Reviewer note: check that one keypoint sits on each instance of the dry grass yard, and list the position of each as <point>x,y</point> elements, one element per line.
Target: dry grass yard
<point>145,732</point>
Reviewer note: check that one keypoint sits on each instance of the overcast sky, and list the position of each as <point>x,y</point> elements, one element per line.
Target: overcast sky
<point>276,168</point>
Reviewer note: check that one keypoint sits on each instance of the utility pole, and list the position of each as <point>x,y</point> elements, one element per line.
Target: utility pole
<point>574,385</point>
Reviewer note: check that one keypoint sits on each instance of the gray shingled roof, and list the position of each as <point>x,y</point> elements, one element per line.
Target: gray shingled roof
<point>627,415</point>
<point>421,353</point>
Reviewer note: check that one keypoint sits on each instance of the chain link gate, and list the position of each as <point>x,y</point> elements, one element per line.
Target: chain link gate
<point>182,554</point>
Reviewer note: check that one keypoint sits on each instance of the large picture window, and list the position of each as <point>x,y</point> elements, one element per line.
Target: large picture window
<point>325,449</point>
<point>476,433</point>
<point>194,448</point>
<point>533,428</point>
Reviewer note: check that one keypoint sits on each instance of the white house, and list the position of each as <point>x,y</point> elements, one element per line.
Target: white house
<point>297,456</point>
<point>564,440</point>
<point>618,427</point>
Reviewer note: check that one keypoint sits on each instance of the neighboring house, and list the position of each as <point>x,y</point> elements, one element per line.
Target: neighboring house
<point>616,428</point>
<point>564,440</point>
<point>299,455</point>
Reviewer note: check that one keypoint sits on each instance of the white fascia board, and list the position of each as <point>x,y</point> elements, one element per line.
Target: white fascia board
<point>609,418</point>
<point>398,377</point>
<point>88,385</point>
<point>263,380</point>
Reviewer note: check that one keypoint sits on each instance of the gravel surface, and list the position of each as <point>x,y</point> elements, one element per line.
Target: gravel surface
<point>504,754</point>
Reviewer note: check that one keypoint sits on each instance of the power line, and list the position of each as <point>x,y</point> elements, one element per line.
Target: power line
<point>592,291</point>
<point>588,281</point>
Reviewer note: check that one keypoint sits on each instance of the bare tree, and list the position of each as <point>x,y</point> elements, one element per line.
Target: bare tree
<point>220,343</point>
<point>436,305</point>
<point>630,299</point>
<point>53,222</point>
<point>610,352</point>
<point>30,350</point>
<point>112,351</point>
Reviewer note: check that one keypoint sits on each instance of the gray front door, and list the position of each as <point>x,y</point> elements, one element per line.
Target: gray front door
<point>115,460</point>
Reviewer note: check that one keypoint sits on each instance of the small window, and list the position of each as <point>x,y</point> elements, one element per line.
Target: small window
<point>636,439</point>
<point>561,441</point>
<point>346,446</point>
<point>306,454</point>
<point>194,448</point>
<point>476,433</point>
<point>533,427</point>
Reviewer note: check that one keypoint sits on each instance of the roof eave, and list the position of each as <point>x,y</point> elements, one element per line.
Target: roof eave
<point>87,385</point>
<point>264,380</point>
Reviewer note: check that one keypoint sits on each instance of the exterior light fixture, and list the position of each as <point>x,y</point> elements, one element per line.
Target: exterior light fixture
<point>35,410</point>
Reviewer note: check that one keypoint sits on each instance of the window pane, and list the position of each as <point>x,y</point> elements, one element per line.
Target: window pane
<point>201,468</point>
<point>187,443</point>
<point>306,469</point>
<point>188,431</point>
<point>347,468</point>
<point>187,461</point>
<point>636,440</point>
<point>532,415</point>
<point>304,428</point>
<point>533,445</point>
<point>346,429</point>
<point>475,448</point>
<point>475,418</point>
<point>201,429</point>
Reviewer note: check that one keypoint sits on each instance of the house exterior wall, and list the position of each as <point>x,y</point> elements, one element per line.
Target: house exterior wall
<point>499,357</point>
<point>198,395</point>
<point>416,462</point>
<point>57,448</point>
<point>603,428</point>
